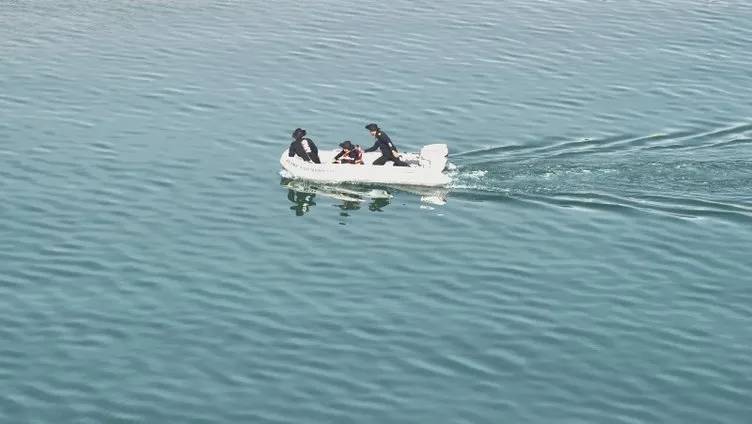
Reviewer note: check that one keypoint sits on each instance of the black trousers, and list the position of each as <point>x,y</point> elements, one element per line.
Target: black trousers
<point>314,157</point>
<point>383,159</point>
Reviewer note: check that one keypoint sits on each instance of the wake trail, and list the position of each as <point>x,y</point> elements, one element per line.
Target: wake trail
<point>706,173</point>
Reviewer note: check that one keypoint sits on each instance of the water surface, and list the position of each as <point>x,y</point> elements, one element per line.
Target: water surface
<point>589,263</point>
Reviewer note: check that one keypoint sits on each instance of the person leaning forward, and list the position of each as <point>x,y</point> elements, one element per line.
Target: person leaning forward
<point>349,154</point>
<point>384,144</point>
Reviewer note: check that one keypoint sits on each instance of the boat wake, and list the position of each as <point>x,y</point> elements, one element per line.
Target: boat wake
<point>687,175</point>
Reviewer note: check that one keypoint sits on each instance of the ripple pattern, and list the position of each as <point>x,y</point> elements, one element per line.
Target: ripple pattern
<point>589,262</point>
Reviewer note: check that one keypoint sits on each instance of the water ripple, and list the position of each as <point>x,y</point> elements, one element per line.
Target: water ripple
<point>587,264</point>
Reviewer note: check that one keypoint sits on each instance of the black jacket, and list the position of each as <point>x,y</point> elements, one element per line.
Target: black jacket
<point>297,147</point>
<point>383,143</point>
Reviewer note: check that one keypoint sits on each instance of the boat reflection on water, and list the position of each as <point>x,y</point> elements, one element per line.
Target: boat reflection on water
<point>302,201</point>
<point>353,197</point>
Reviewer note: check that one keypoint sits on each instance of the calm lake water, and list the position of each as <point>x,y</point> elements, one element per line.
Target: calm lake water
<point>590,262</point>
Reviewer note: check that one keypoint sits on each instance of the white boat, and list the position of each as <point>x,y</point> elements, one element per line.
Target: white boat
<point>426,168</point>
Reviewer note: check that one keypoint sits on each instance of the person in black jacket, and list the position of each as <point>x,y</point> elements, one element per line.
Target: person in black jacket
<point>349,154</point>
<point>384,144</point>
<point>303,146</point>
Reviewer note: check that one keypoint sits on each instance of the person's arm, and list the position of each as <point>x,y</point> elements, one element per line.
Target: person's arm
<point>313,155</point>
<point>374,147</point>
<point>300,151</point>
<point>291,151</point>
<point>388,141</point>
<point>303,154</point>
<point>392,149</point>
<point>339,155</point>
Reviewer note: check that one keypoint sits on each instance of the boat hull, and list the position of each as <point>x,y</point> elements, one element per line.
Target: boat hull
<point>426,169</point>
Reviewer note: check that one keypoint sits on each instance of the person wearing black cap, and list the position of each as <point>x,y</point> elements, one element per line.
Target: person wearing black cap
<point>303,147</point>
<point>388,150</point>
<point>349,154</point>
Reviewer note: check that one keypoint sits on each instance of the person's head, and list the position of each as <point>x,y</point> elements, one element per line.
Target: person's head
<point>298,133</point>
<point>373,129</point>
<point>346,145</point>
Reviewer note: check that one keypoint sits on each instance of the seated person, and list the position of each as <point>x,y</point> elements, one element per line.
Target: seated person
<point>349,154</point>
<point>303,146</point>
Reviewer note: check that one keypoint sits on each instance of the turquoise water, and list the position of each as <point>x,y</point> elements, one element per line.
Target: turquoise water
<point>590,262</point>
